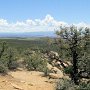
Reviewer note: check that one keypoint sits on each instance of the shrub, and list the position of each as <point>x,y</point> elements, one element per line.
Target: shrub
<point>8,60</point>
<point>46,71</point>
<point>3,68</point>
<point>65,84</point>
<point>12,65</point>
<point>68,70</point>
<point>35,62</point>
<point>84,86</point>
<point>12,58</point>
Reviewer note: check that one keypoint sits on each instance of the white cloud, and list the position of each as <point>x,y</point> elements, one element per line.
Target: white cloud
<point>3,22</point>
<point>46,24</point>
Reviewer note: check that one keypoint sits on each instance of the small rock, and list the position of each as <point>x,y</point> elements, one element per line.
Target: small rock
<point>53,55</point>
<point>58,71</point>
<point>30,84</point>
<point>49,66</point>
<point>55,76</point>
<point>16,86</point>
<point>67,77</point>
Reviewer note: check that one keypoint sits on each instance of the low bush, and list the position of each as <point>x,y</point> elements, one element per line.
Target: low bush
<point>84,86</point>
<point>12,59</point>
<point>68,70</point>
<point>8,60</point>
<point>36,61</point>
<point>46,71</point>
<point>3,68</point>
<point>65,84</point>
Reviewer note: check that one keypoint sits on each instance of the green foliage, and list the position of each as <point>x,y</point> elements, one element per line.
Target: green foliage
<point>68,69</point>
<point>32,43</point>
<point>74,44</point>
<point>12,58</point>
<point>3,68</point>
<point>84,86</point>
<point>65,84</point>
<point>3,58</point>
<point>36,61</point>
<point>46,71</point>
<point>7,58</point>
<point>84,60</point>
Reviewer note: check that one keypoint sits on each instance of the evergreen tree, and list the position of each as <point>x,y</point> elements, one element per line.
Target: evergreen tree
<point>71,41</point>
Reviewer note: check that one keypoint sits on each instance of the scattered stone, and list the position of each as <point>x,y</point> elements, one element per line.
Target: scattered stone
<point>67,77</point>
<point>58,63</point>
<point>49,66</point>
<point>20,69</point>
<point>30,84</point>
<point>55,76</point>
<point>53,62</point>
<point>53,55</point>
<point>84,75</point>
<point>57,71</point>
<point>16,86</point>
<point>22,81</point>
<point>68,63</point>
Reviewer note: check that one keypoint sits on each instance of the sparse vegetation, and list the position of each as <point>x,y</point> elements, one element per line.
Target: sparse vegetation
<point>12,58</point>
<point>35,61</point>
<point>72,46</point>
<point>65,84</point>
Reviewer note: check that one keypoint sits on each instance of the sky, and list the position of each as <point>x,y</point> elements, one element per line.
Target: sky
<point>42,15</point>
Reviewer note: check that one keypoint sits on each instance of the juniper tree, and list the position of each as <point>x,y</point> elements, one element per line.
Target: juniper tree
<point>70,41</point>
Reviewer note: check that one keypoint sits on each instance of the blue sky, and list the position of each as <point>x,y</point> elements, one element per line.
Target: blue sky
<point>68,11</point>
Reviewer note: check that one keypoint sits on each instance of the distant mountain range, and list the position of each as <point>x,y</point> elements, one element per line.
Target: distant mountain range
<point>29,34</point>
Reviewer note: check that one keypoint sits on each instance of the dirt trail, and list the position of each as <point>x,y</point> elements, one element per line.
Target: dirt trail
<point>26,80</point>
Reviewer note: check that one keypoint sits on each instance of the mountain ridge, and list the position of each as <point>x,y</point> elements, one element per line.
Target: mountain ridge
<point>28,34</point>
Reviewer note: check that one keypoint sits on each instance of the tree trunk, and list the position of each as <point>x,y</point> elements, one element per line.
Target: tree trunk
<point>75,68</point>
<point>74,73</point>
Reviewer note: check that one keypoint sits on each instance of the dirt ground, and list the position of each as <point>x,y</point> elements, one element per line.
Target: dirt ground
<point>26,80</point>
